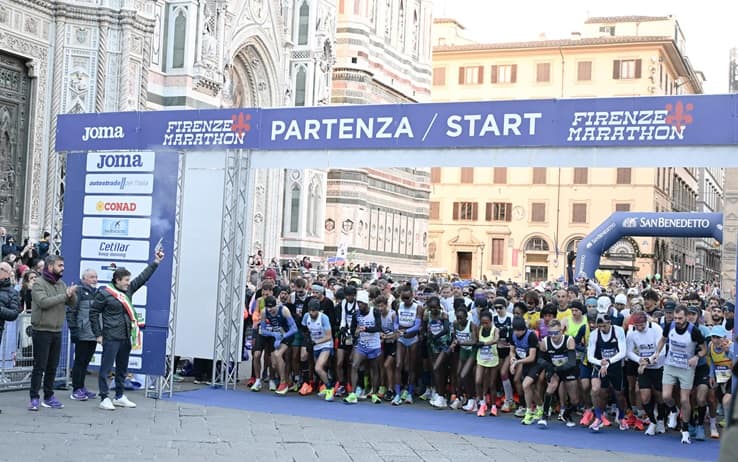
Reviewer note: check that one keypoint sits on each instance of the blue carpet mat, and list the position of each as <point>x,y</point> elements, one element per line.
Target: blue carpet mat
<point>422,417</point>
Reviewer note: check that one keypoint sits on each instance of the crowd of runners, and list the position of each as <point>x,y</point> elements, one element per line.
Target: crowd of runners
<point>651,358</point>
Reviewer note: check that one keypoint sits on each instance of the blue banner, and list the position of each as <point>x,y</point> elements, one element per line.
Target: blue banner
<point>696,120</point>
<point>117,207</point>
<point>621,224</point>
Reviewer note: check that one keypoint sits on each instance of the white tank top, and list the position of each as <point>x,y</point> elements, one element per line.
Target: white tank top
<point>407,315</point>
<point>681,347</point>
<point>367,340</point>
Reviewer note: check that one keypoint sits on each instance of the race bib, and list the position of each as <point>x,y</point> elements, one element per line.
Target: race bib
<point>723,374</point>
<point>486,353</point>
<point>521,352</point>
<point>559,360</point>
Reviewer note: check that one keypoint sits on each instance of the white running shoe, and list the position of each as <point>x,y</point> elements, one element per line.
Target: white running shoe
<point>685,438</point>
<point>542,424</point>
<point>651,430</point>
<point>123,402</point>
<point>714,433</point>
<point>429,392</point>
<point>442,402</point>
<point>272,385</point>
<point>256,386</point>
<point>673,420</point>
<point>469,405</point>
<point>455,404</point>
<point>435,401</point>
<point>106,405</point>
<point>660,428</point>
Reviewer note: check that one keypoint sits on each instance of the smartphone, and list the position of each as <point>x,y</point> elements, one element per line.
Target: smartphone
<point>159,246</point>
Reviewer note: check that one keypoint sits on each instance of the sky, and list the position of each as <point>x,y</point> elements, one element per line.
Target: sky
<point>709,26</point>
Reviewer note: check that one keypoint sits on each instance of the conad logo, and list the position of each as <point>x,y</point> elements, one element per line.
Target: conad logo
<point>102,206</point>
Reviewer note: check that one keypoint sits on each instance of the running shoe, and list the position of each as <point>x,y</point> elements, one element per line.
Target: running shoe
<point>295,387</point>
<point>33,405</point>
<point>605,421</point>
<point>542,424</point>
<point>562,416</point>
<point>306,389</point>
<point>435,401</point>
<point>508,406</point>
<point>493,411</point>
<point>529,418</point>
<point>90,394</point>
<point>570,423</point>
<point>685,438</point>
<point>455,404</point>
<point>404,395</point>
<point>469,405</point>
<point>587,418</point>
<point>329,394</point>
<point>714,433</point>
<point>376,399</point>
<point>520,412</point>
<point>382,391</point>
<point>351,399</point>
<point>178,378</point>
<point>322,389</point>
<point>52,403</point>
<point>427,395</point>
<point>639,425</point>
<point>699,433</point>
<point>282,389</point>
<point>723,423</point>
<point>482,411</point>
<point>624,425</point>
<point>692,431</point>
<point>79,395</point>
<point>397,400</point>
<point>651,430</point>
<point>660,427</point>
<point>442,402</point>
<point>672,422</point>
<point>272,385</point>
<point>409,399</point>
<point>596,425</point>
<point>538,414</point>
<point>340,391</point>
<point>249,384</point>
<point>256,386</point>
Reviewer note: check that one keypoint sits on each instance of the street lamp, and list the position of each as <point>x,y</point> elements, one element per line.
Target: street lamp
<point>481,260</point>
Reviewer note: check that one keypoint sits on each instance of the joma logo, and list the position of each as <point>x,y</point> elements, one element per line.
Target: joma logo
<point>119,161</point>
<point>103,133</point>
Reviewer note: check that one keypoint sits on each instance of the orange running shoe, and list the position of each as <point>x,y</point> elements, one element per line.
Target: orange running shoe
<point>493,411</point>
<point>306,389</point>
<point>605,421</point>
<point>587,418</point>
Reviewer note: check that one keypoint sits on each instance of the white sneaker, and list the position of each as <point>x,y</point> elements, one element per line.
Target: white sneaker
<point>542,423</point>
<point>651,430</point>
<point>673,420</point>
<point>660,428</point>
<point>256,386</point>
<point>107,405</point>
<point>434,401</point>
<point>468,406</point>
<point>685,438</point>
<point>123,402</point>
<point>360,394</point>
<point>272,385</point>
<point>455,404</point>
<point>714,433</point>
<point>428,394</point>
<point>442,403</point>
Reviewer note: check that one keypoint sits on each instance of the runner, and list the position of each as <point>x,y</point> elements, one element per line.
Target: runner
<point>299,359</point>
<point>261,341</point>
<point>345,339</point>
<point>606,351</point>
<point>438,335</point>
<point>487,370</point>
<point>409,319</point>
<point>720,358</point>
<point>700,388</point>
<point>559,352</point>
<point>686,346</point>
<point>641,343</point>
<point>366,328</point>
<point>526,370</point>
<point>462,346</point>
<point>503,322</point>
<point>389,347</point>
<point>319,328</point>
<point>277,322</point>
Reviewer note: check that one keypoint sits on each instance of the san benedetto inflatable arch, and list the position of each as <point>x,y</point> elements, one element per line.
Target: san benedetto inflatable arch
<point>621,224</point>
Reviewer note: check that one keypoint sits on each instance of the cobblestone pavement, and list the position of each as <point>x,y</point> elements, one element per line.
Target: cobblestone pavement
<point>166,430</point>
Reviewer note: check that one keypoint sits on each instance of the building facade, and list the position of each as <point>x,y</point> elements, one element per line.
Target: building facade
<point>528,218</point>
<point>383,56</point>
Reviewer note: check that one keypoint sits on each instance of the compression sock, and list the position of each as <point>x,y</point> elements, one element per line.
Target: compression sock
<point>507,386</point>
<point>662,411</point>
<point>397,389</point>
<point>701,412</point>
<point>685,426</point>
<point>649,411</point>
<point>305,372</point>
<point>598,412</point>
<point>547,404</point>
<point>411,389</point>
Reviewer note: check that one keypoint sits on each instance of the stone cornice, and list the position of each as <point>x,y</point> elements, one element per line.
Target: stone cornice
<point>92,13</point>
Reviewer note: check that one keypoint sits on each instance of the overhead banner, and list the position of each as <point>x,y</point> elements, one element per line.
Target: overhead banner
<point>117,206</point>
<point>685,120</point>
<point>621,224</point>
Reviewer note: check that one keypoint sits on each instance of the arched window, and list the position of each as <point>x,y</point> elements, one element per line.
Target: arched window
<point>401,26</point>
<point>303,25</point>
<point>300,85</point>
<point>415,32</point>
<point>573,244</point>
<point>536,244</point>
<point>295,209</point>
<point>179,40</point>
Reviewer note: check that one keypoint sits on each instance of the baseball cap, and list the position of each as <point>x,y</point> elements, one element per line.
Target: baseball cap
<point>577,305</point>
<point>621,298</point>
<point>693,309</point>
<point>519,324</point>
<point>270,301</point>
<point>362,296</point>
<point>603,304</point>
<point>502,291</point>
<point>718,331</point>
<point>270,273</point>
<point>669,306</point>
<point>632,292</point>
<point>729,307</point>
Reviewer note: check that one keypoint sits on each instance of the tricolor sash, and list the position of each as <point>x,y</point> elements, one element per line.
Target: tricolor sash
<point>136,324</point>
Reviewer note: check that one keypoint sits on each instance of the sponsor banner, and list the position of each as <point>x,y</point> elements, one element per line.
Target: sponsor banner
<point>683,120</point>
<point>135,363</point>
<point>142,161</point>
<point>116,227</point>
<point>117,205</point>
<point>107,183</point>
<point>114,248</point>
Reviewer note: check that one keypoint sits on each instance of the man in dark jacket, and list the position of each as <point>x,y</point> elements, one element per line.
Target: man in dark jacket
<point>120,329</point>
<point>9,301</point>
<point>80,329</point>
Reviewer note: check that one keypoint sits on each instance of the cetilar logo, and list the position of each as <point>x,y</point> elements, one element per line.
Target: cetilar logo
<point>103,133</point>
<point>667,124</point>
<point>630,223</point>
<point>208,132</point>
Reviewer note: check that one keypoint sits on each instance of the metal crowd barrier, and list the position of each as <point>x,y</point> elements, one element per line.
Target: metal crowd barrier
<point>16,355</point>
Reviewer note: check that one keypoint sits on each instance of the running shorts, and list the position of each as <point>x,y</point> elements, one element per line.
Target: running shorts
<point>651,378</point>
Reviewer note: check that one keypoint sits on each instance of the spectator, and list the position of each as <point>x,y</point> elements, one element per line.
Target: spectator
<point>9,247</point>
<point>43,246</point>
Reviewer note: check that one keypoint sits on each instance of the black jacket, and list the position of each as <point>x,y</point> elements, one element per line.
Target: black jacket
<point>78,317</point>
<point>115,322</point>
<point>9,303</point>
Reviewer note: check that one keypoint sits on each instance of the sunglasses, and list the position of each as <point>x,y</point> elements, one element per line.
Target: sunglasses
<point>554,333</point>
